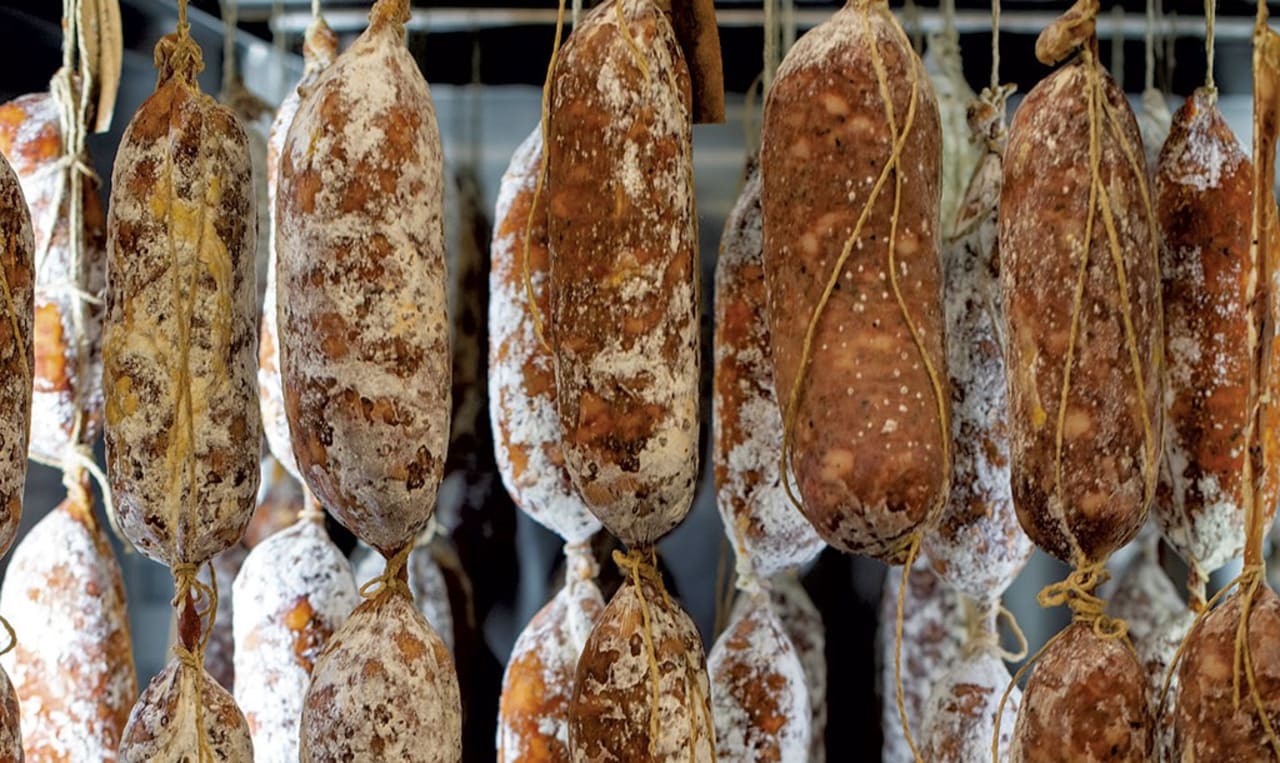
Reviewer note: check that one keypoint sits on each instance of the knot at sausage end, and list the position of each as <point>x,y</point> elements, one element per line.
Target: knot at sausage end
<point>178,54</point>
<point>394,577</point>
<point>1077,593</point>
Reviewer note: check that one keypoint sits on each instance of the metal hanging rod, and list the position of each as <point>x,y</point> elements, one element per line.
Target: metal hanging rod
<point>1133,26</point>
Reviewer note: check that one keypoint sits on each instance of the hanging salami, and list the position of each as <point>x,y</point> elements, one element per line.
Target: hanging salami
<point>364,361</point>
<point>1081,324</point>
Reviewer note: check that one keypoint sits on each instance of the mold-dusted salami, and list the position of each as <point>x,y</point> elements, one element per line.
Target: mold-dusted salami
<point>769,534</point>
<point>1081,306</point>
<point>319,48</point>
<point>1086,701</point>
<point>73,668</point>
<point>180,339</point>
<point>641,691</point>
<point>978,547</point>
<point>1204,194</point>
<point>803,624</point>
<point>364,336</point>
<point>959,721</point>
<point>384,688</point>
<point>67,374</point>
<point>933,634</point>
<point>293,591</point>
<point>960,155</point>
<point>1207,725</point>
<point>1229,678</point>
<point>850,199</point>
<point>760,700</point>
<point>16,354</point>
<point>166,723</point>
<point>533,717</point>
<point>522,371</point>
<point>623,277</point>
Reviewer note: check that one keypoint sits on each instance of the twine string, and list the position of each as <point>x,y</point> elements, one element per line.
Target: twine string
<point>390,581</point>
<point>1210,20</point>
<point>640,566</point>
<point>190,591</point>
<point>535,313</point>
<point>912,553</point>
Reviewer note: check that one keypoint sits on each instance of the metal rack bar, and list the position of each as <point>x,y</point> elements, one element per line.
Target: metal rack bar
<point>1132,26</point>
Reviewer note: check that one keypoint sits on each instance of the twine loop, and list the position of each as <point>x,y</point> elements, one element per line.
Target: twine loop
<point>982,621</point>
<point>1077,593</point>
<point>13,636</point>
<point>311,510</point>
<point>390,582</point>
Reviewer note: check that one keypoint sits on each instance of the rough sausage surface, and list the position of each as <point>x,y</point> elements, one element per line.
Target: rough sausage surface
<point>610,718</point>
<point>624,291</point>
<point>533,716</point>
<point>1086,701</point>
<point>1204,192</point>
<point>293,591</point>
<point>1206,724</point>
<point>73,667</point>
<point>10,722</point>
<point>17,278</point>
<point>978,547</point>
<point>960,719</point>
<point>768,533</point>
<point>759,696</point>
<point>1084,461</point>
<point>319,48</point>
<point>803,624</point>
<point>163,725</point>
<point>180,341</point>
<point>364,336</point>
<point>65,382</point>
<point>877,362</point>
<point>522,371</point>
<point>384,688</point>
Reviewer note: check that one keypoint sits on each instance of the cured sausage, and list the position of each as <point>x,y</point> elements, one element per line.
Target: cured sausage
<point>522,370</point>
<point>1080,306</point>
<point>769,535</point>
<point>293,591</point>
<point>623,276</point>
<point>759,696</point>
<point>850,199</point>
<point>73,667</point>
<point>67,379</point>
<point>1204,192</point>
<point>17,277</point>
<point>180,337</point>
<point>641,691</point>
<point>363,330</point>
